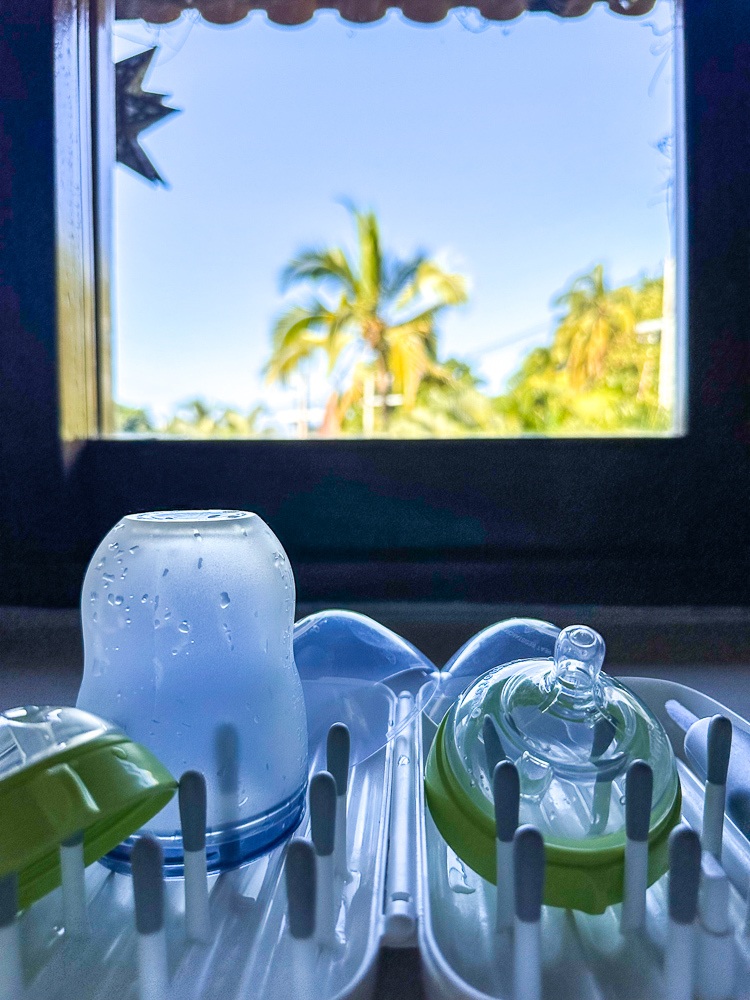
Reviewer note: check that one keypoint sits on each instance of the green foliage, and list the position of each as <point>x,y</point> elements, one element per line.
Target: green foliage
<point>599,376</point>
<point>374,317</point>
<point>193,419</point>
<point>132,420</point>
<point>196,419</point>
<point>446,407</point>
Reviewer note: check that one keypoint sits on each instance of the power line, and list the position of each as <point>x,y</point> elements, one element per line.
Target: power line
<point>515,338</point>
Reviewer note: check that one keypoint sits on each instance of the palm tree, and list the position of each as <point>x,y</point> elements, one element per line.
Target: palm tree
<point>596,316</point>
<point>599,374</point>
<point>372,315</point>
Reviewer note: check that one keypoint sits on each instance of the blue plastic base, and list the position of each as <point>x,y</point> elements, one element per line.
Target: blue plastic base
<point>226,847</point>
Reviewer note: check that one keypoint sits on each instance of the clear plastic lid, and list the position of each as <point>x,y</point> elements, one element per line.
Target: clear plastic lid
<point>353,669</point>
<point>572,732</point>
<point>30,734</point>
<point>499,644</point>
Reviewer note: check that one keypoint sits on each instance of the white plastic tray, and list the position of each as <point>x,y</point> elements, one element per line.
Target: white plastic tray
<point>407,889</point>
<point>584,957</point>
<point>249,955</point>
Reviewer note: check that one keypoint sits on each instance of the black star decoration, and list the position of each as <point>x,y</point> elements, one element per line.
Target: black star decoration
<point>137,109</point>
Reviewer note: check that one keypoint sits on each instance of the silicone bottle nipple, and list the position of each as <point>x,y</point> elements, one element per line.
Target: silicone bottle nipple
<point>579,654</point>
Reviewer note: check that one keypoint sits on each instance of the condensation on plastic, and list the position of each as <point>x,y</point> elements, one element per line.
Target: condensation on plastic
<point>187,622</point>
<point>35,733</point>
<point>572,732</point>
<point>498,645</point>
<point>352,670</point>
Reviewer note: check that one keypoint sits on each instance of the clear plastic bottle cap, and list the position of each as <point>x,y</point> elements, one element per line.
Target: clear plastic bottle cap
<point>64,773</point>
<point>33,733</point>
<point>572,732</point>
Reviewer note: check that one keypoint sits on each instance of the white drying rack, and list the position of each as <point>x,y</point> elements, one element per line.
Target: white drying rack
<point>406,889</point>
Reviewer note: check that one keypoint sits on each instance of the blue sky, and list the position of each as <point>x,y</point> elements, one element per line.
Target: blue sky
<point>518,153</point>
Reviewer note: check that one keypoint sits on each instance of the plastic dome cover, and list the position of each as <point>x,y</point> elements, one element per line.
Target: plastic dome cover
<point>572,732</point>
<point>499,644</point>
<point>30,734</point>
<point>353,670</point>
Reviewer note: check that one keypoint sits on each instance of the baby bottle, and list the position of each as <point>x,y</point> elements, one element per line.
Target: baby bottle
<point>187,624</point>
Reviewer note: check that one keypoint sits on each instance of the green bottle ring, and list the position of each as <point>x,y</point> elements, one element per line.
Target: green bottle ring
<point>106,789</point>
<point>577,877</point>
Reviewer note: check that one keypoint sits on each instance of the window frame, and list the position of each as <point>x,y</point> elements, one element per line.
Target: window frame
<point>586,520</point>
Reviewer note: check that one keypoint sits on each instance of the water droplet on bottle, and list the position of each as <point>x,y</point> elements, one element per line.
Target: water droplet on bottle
<point>133,549</point>
<point>124,572</point>
<point>144,598</point>
<point>256,720</point>
<point>622,800</point>
<point>197,535</point>
<point>108,578</point>
<point>167,614</point>
<point>200,563</point>
<point>94,596</point>
<point>165,572</point>
<point>224,599</point>
<point>156,602</point>
<point>114,546</point>
<point>95,616</point>
<point>175,652</point>
<point>101,563</point>
<point>184,627</point>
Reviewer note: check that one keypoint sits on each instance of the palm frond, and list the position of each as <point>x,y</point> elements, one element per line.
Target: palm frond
<point>320,265</point>
<point>370,258</point>
<point>411,357</point>
<point>297,334</point>
<point>447,289</point>
<point>422,324</point>
<point>340,334</point>
<point>398,275</point>
<point>433,284</point>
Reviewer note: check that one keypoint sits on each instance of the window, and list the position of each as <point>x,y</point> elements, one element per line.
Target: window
<point>586,519</point>
<point>512,183</point>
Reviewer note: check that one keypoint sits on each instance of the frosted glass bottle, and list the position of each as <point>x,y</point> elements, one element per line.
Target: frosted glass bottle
<point>187,623</point>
